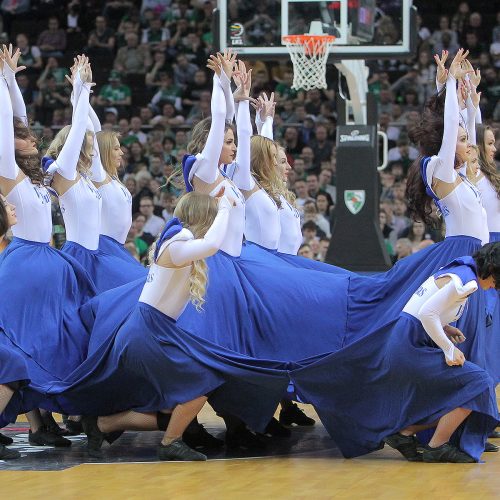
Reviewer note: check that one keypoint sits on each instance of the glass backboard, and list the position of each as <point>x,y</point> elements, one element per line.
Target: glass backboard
<point>365,29</point>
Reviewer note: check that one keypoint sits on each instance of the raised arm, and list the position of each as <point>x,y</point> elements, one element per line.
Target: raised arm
<point>228,61</point>
<point>242,176</point>
<point>67,160</point>
<point>206,166</point>
<point>10,70</point>
<point>264,116</point>
<point>444,167</point>
<point>8,168</point>
<point>185,252</point>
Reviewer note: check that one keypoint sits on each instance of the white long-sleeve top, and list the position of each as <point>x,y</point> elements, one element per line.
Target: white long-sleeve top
<point>81,203</point>
<point>462,209</point>
<point>290,232</point>
<point>206,167</point>
<point>32,202</point>
<point>436,307</point>
<point>262,222</point>
<point>167,288</point>
<point>491,204</point>
<point>116,213</point>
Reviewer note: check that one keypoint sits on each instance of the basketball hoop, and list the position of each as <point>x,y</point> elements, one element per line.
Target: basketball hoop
<point>309,54</point>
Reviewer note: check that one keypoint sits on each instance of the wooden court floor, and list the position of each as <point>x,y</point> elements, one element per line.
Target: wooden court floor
<point>310,468</point>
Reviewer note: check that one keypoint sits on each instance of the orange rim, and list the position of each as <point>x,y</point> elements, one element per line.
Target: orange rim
<point>313,44</point>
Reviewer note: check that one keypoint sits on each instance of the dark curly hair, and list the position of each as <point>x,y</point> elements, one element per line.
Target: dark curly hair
<point>428,135</point>
<point>4,224</point>
<point>30,165</point>
<point>488,262</point>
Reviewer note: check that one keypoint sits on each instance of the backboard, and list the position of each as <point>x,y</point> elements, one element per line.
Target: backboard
<point>364,29</point>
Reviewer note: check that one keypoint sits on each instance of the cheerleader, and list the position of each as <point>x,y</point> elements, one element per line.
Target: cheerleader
<point>149,364</point>
<point>45,288</point>
<point>396,382</point>
<point>73,167</point>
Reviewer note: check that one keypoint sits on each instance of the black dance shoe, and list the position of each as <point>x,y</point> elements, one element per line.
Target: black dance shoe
<point>494,435</point>
<point>196,436</point>
<point>5,440</point>
<point>95,437</point>
<point>52,426</point>
<point>6,454</point>
<point>45,437</point>
<point>490,447</point>
<point>111,437</point>
<point>243,438</point>
<point>294,415</point>
<point>275,429</point>
<point>446,453</point>
<point>178,450</point>
<point>74,427</point>
<point>406,445</point>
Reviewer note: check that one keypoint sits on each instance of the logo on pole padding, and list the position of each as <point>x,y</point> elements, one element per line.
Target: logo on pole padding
<point>354,200</point>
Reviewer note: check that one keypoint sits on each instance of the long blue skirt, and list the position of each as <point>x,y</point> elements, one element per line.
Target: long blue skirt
<point>390,379</point>
<point>493,330</point>
<point>261,306</point>
<point>107,270</point>
<point>110,246</point>
<point>148,363</point>
<point>42,290</point>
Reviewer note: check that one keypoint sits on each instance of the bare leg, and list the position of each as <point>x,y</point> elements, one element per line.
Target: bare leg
<point>5,394</point>
<point>35,420</point>
<point>128,420</point>
<point>182,416</point>
<point>447,425</point>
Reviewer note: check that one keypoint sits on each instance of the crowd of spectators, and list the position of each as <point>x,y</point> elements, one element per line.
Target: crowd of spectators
<point>149,57</point>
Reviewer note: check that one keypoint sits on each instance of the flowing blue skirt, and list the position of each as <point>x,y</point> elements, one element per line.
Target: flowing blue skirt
<point>390,379</point>
<point>148,363</point>
<point>42,290</point>
<point>493,331</point>
<point>261,306</point>
<point>107,270</point>
<point>110,246</point>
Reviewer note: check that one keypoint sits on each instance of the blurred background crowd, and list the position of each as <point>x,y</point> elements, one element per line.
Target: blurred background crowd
<point>149,57</point>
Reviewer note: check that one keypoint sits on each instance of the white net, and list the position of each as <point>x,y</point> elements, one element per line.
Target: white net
<point>309,55</point>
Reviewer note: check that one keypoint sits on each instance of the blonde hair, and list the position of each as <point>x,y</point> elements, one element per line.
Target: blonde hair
<point>106,142</point>
<point>264,167</point>
<point>84,160</point>
<point>288,195</point>
<point>197,213</point>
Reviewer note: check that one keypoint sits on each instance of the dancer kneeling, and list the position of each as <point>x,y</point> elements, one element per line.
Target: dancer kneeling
<point>394,382</point>
<point>150,364</point>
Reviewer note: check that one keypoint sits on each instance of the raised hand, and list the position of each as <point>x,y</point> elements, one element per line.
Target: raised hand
<point>474,76</point>
<point>243,80</point>
<point>214,64</point>
<point>454,334</point>
<point>442,72</point>
<point>11,59</point>
<point>268,106</point>
<point>458,68</point>
<point>227,61</point>
<point>462,94</point>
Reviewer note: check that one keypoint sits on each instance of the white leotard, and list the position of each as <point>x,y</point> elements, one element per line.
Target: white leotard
<point>116,215</point>
<point>33,210</point>
<point>491,204</point>
<point>436,307</point>
<point>32,202</point>
<point>262,223</point>
<point>462,209</point>
<point>167,288</point>
<point>291,233</point>
<point>81,210</point>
